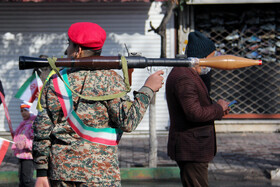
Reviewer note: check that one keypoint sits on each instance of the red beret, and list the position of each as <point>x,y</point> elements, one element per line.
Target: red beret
<point>87,34</point>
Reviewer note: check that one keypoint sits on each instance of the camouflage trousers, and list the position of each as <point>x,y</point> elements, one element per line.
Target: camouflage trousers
<point>55,183</point>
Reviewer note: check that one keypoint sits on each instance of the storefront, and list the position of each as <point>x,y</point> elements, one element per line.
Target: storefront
<point>248,29</point>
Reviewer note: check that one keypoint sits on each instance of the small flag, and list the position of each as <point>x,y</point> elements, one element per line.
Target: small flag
<point>39,82</point>
<point>29,89</point>
<point>4,145</point>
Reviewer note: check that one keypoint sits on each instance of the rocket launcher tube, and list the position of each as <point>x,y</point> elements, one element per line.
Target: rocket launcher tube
<point>225,62</point>
<point>105,62</point>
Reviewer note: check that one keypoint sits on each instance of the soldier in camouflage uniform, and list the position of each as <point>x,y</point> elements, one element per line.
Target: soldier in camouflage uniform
<point>62,157</point>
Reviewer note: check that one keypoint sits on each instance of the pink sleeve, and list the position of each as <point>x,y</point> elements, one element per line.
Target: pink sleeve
<point>14,148</point>
<point>29,136</point>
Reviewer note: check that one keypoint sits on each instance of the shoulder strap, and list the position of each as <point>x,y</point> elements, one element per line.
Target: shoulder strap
<point>105,136</point>
<point>55,70</point>
<point>97,98</point>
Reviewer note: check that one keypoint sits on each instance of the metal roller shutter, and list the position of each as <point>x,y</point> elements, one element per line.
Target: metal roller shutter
<point>251,31</point>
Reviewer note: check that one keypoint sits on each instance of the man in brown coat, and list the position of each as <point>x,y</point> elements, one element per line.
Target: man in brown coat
<point>192,138</point>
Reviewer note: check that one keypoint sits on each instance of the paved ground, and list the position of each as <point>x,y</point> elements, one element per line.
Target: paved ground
<point>243,159</point>
<point>236,151</point>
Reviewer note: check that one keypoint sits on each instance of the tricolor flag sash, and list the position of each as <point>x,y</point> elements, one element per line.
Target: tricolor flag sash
<point>105,136</point>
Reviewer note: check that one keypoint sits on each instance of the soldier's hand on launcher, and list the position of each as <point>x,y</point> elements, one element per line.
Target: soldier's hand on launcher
<point>155,81</point>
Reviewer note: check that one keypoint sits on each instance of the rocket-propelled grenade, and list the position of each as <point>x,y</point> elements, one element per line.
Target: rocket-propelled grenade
<point>224,62</point>
<point>228,62</point>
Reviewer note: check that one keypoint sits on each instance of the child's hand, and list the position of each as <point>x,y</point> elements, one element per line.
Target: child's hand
<point>20,141</point>
<point>20,145</point>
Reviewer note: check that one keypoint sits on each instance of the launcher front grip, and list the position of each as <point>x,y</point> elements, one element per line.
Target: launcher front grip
<point>225,62</point>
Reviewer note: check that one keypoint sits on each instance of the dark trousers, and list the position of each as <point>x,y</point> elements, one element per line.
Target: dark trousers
<point>193,174</point>
<point>26,170</point>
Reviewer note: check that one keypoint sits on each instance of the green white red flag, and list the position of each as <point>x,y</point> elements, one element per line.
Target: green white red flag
<point>29,89</point>
<point>4,145</point>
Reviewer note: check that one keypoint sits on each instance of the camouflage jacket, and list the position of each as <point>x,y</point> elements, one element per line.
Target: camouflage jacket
<point>60,153</point>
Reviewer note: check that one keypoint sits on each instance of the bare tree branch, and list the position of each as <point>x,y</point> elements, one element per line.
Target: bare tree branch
<point>161,30</point>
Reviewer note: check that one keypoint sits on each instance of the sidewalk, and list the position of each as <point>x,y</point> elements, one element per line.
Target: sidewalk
<point>241,158</point>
